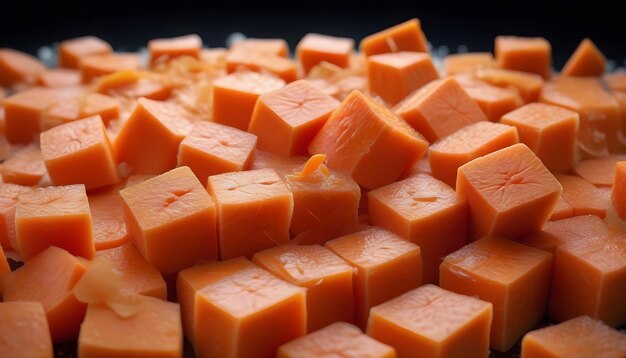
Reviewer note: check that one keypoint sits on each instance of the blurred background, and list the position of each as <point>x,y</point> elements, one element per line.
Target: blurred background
<point>128,25</point>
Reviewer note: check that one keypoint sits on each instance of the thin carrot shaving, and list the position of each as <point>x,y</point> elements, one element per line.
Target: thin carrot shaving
<point>313,164</point>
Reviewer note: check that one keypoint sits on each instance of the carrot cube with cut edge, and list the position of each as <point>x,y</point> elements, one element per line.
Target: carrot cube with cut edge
<point>21,339</point>
<point>73,50</point>
<point>587,60</point>
<point>528,54</point>
<point>170,48</point>
<point>316,48</point>
<point>406,36</point>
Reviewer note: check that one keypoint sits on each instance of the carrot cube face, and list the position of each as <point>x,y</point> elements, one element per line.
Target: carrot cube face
<point>25,167</point>
<point>49,278</point>
<point>467,62</point>
<point>440,109</point>
<point>425,211</point>
<point>337,337</point>
<point>279,66</point>
<point>8,201</point>
<point>149,140</point>
<point>407,36</point>
<point>18,67</point>
<point>527,54</point>
<point>374,155</point>
<point>59,77</point>
<point>433,322</point>
<point>493,101</point>
<point>269,47</point>
<point>20,339</point>
<point>73,50</point>
<point>615,81</point>
<point>560,232</point>
<point>23,113</point>
<point>252,314</point>
<point>510,192</point>
<point>326,277</point>
<point>528,85</point>
<point>107,214</point>
<point>549,131</point>
<point>235,95</point>
<point>54,216</point>
<point>79,152</point>
<point>586,61</point>
<point>95,66</point>
<point>315,48</point>
<point>515,278</point>
<point>79,107</point>
<point>171,220</point>
<point>254,209</point>
<point>598,171</point>
<point>212,148</point>
<point>162,50</point>
<point>386,266</point>
<point>294,113</point>
<point>582,196</point>
<point>618,192</point>
<point>5,270</point>
<point>153,330</point>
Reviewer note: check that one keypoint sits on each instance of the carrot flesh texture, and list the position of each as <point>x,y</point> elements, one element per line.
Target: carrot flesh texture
<point>407,36</point>
<point>5,270</point>
<point>582,196</point>
<point>528,54</point>
<point>586,61</point>
<point>73,50</point>
<point>107,214</point>
<point>59,77</point>
<point>560,232</point>
<point>166,49</point>
<point>8,201</point>
<point>95,66</point>
<point>24,167</point>
<point>618,193</point>
<point>18,67</point>
<point>467,62</point>
<point>527,84</point>
<point>20,340</point>
<point>79,107</point>
<point>493,101</point>
<point>315,48</point>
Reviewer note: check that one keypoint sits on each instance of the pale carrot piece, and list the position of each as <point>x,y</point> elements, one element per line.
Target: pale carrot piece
<point>73,50</point>
<point>315,48</point>
<point>528,54</point>
<point>59,77</point>
<point>618,195</point>
<point>406,36</point>
<point>162,50</point>
<point>18,67</point>
<point>467,62</point>
<point>107,214</point>
<point>598,171</point>
<point>8,201</point>
<point>587,60</point>
<point>562,210</point>
<point>560,232</point>
<point>79,107</point>
<point>25,331</point>
<point>582,196</point>
<point>25,167</point>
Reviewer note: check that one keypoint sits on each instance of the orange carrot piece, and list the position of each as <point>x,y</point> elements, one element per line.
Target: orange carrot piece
<point>18,67</point>
<point>618,195</point>
<point>59,77</point>
<point>107,214</point>
<point>467,62</point>
<point>163,50</point>
<point>271,47</point>
<point>527,84</point>
<point>5,270</point>
<point>24,330</point>
<point>616,81</point>
<point>79,107</point>
<point>406,36</point>
<point>562,210</point>
<point>23,112</point>
<point>94,66</point>
<point>528,54</point>
<point>315,48</point>
<point>560,232</point>
<point>8,201</point>
<point>583,196</point>
<point>493,101</point>
<point>281,67</point>
<point>73,50</point>
<point>598,171</point>
<point>25,167</point>
<point>587,60</point>
<point>135,179</point>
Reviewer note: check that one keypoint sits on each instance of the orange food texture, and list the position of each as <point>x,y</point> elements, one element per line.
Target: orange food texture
<point>162,50</point>
<point>18,67</point>
<point>493,101</point>
<point>59,77</point>
<point>467,62</point>
<point>259,61</point>
<point>374,155</point>
<point>582,196</point>
<point>407,36</point>
<point>23,113</point>
<point>81,106</point>
<point>586,61</point>
<point>527,54</point>
<point>561,232</point>
<point>616,81</point>
<point>94,66</point>
<point>271,47</point>
<point>515,278</point>
<point>598,171</point>
<point>510,192</point>
<point>433,322</point>
<point>73,50</point>
<point>314,49</point>
<point>8,201</point>
<point>107,214</point>
<point>618,195</point>
<point>527,84</point>
<point>5,270</point>
<point>24,167</point>
<point>171,220</point>
<point>25,330</point>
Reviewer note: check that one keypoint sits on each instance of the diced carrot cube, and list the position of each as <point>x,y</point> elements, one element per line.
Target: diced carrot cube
<point>467,62</point>
<point>149,140</point>
<point>138,276</point>
<point>163,50</point>
<point>235,95</point>
<point>254,211</point>
<point>213,148</point>
<point>135,84</point>
<point>468,143</point>
<point>79,152</point>
<point>281,67</point>
<point>493,101</point>
<point>23,113</point>
<point>193,280</point>
<point>527,84</point>
<point>59,77</point>
<point>275,47</point>
<point>616,81</point>
<point>618,194</point>
<point>593,270</point>
<point>5,270</point>
<point>294,113</point>
<point>433,322</point>
<point>339,338</point>
<point>252,314</point>
<point>528,54</point>
<point>25,167</point>
<point>562,210</point>
<point>620,97</point>
<point>171,220</point>
<point>18,67</point>
<point>326,278</point>
<point>135,179</point>
<point>24,330</point>
<point>282,165</point>
<point>94,66</point>
<point>515,278</point>
<point>81,106</point>
<point>598,171</point>
<point>560,232</point>
<point>73,50</point>
<point>153,330</point>
<point>49,278</point>
<point>578,337</point>
<point>587,60</point>
<point>8,201</point>
<point>582,196</point>
<point>54,216</point>
<point>107,214</point>
<point>406,36</point>
<point>374,155</point>
<point>385,266</point>
<point>509,192</point>
<point>315,48</point>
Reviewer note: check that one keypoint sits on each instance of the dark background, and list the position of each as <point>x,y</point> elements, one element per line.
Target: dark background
<point>26,25</point>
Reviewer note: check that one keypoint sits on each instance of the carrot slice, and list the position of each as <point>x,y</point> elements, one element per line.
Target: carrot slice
<point>582,196</point>
<point>8,201</point>
<point>20,339</point>
<point>25,167</point>
<point>560,232</point>
<point>279,66</point>
<point>275,47</point>
<point>79,107</point>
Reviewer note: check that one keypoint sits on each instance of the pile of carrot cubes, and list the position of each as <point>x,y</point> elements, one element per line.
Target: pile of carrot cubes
<point>371,203</point>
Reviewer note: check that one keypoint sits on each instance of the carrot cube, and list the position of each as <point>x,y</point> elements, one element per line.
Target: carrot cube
<point>294,113</point>
<point>406,36</point>
<point>598,171</point>
<point>254,209</point>
<point>94,66</point>
<point>550,131</point>
<point>25,167</point>
<point>252,314</point>
<point>135,179</point>
<point>269,47</point>
<point>587,60</point>
<point>509,192</point>
<point>373,155</point>
<point>385,266</point>
<point>235,95</point>
<point>194,279</point>
<point>432,322</point>
<point>79,107</point>
<point>18,67</point>
<point>578,337</point>
<point>528,85</point>
<point>5,270</point>
<point>79,152</point>
<point>107,214</point>
<point>527,54</point>
<point>440,109</point>
<point>73,50</point>
<point>615,81</point>
<point>163,50</point>
<point>582,196</point>
<point>315,48</point>
<point>59,77</point>
<point>515,278</point>
<point>493,101</point>
<point>149,140</point>
<point>8,200</point>
<point>618,195</point>
<point>49,278</point>
<point>279,66</point>
<point>592,269</point>
<point>560,232</point>
<point>171,220</point>
<point>138,276</point>
<point>326,278</point>
<point>23,113</point>
<point>153,330</point>
<point>212,148</point>
<point>562,210</point>
<point>339,338</point>
<point>25,330</point>
<point>54,216</point>
<point>467,62</point>
<point>426,212</point>
<point>468,143</point>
